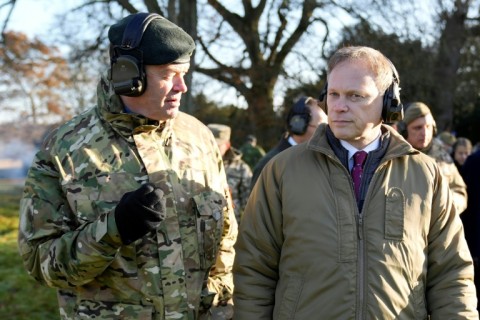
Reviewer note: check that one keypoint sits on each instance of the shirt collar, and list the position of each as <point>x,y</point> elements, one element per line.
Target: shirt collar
<point>292,141</point>
<point>370,147</point>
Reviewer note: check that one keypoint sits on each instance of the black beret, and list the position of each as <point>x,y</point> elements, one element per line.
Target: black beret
<point>163,42</point>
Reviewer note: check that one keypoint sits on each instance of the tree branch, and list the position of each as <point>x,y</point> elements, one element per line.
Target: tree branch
<point>7,19</point>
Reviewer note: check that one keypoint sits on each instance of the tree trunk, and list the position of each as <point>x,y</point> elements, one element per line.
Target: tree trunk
<point>187,19</point>
<point>263,121</point>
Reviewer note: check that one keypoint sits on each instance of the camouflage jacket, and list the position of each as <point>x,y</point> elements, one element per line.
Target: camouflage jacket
<point>448,168</point>
<point>239,176</point>
<point>68,237</point>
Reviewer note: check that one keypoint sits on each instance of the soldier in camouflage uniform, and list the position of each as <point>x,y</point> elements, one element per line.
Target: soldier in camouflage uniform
<point>239,174</point>
<point>126,208</point>
<point>419,128</point>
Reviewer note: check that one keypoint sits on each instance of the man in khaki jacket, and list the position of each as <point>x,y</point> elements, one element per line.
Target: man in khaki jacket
<point>311,247</point>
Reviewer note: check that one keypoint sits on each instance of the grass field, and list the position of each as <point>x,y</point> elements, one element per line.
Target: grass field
<point>20,297</point>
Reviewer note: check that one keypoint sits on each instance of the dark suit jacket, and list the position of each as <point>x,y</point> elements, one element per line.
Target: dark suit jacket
<point>471,216</point>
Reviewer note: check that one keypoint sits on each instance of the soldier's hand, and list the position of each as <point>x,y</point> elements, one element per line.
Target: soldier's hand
<point>139,212</point>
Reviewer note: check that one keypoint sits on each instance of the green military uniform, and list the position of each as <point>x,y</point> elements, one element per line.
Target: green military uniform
<point>68,237</point>
<point>251,154</point>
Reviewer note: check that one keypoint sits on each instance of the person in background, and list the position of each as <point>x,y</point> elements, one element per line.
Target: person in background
<point>238,172</point>
<point>471,217</point>
<point>461,149</point>
<point>251,151</point>
<point>355,223</point>
<point>126,209</point>
<point>419,129</point>
<point>301,121</point>
<point>448,140</point>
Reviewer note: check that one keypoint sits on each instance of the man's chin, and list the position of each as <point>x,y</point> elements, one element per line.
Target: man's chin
<point>341,133</point>
<point>420,146</point>
<point>172,112</point>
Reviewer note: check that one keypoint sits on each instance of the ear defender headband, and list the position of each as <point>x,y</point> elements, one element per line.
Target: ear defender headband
<point>127,71</point>
<point>299,117</point>
<point>392,110</point>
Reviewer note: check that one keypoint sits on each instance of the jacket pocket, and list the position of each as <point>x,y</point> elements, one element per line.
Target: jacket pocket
<point>209,207</point>
<point>394,214</point>
<point>289,298</point>
<point>89,309</point>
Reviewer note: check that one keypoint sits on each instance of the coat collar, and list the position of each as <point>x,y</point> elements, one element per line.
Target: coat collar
<point>397,145</point>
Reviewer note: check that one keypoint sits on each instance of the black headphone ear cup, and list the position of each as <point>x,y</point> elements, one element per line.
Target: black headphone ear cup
<point>128,76</point>
<point>392,106</point>
<point>298,118</point>
<point>127,71</point>
<point>387,102</point>
<point>298,124</point>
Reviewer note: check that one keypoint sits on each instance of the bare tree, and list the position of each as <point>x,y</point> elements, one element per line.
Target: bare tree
<point>33,74</point>
<point>266,35</point>
<point>187,19</point>
<point>255,47</point>
<point>268,32</point>
<point>10,5</point>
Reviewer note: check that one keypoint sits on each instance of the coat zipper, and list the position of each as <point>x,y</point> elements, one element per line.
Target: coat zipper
<point>361,252</point>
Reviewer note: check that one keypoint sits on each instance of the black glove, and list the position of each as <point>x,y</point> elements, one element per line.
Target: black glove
<point>139,212</point>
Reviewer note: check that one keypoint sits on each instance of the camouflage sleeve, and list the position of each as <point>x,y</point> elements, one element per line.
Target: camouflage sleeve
<point>57,250</point>
<point>244,188</point>
<point>220,279</point>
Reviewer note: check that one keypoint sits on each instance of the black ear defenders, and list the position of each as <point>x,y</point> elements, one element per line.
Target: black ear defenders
<point>392,110</point>
<point>298,117</point>
<point>392,106</point>
<point>127,71</point>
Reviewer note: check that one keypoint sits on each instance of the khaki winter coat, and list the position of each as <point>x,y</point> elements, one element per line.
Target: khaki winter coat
<point>305,251</point>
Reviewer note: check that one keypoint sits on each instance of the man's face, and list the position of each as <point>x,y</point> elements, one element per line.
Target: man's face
<point>420,132</point>
<point>354,103</point>
<point>161,99</point>
<point>461,154</point>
